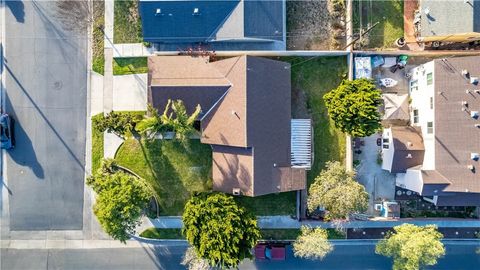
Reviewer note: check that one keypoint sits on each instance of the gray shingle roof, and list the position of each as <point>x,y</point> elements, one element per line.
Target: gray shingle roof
<point>449,17</point>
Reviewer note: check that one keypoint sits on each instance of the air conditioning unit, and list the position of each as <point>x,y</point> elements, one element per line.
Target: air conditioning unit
<point>236,192</point>
<point>196,11</point>
<point>158,12</point>
<point>378,207</point>
<point>475,156</point>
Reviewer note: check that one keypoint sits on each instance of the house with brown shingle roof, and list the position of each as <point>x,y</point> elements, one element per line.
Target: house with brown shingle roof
<point>245,117</point>
<point>438,156</point>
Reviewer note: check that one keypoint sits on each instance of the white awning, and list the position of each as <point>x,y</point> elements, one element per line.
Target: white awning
<point>301,143</point>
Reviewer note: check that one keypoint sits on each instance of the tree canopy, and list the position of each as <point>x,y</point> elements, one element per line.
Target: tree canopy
<point>312,244</point>
<point>412,246</point>
<point>221,231</point>
<point>174,118</point>
<point>353,107</point>
<point>337,191</point>
<point>120,200</point>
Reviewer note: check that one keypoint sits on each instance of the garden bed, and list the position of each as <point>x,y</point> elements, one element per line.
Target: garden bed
<point>127,26</point>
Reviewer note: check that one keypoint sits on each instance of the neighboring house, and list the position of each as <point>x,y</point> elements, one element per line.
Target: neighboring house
<point>449,21</point>
<point>438,155</point>
<point>245,117</point>
<point>216,25</point>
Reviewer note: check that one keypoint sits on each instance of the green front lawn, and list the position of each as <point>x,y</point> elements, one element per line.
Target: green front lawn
<point>315,78</point>
<point>97,145</point>
<point>173,169</point>
<point>389,14</point>
<point>130,65</point>
<point>127,26</point>
<point>267,234</point>
<point>270,205</point>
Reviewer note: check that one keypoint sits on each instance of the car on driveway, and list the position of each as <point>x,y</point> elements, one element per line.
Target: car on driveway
<point>7,140</point>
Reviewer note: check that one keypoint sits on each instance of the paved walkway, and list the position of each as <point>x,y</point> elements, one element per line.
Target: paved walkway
<point>132,50</point>
<point>285,222</point>
<point>111,143</point>
<point>108,72</point>
<point>96,96</point>
<point>378,183</point>
<point>130,92</point>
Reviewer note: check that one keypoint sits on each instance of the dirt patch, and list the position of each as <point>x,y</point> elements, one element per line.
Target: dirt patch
<point>315,25</point>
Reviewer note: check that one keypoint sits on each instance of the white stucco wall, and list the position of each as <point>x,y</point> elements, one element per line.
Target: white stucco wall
<point>387,154</point>
<point>411,180</point>
<point>421,101</point>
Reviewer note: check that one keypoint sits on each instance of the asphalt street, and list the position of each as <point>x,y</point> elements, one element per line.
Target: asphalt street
<point>351,255</point>
<point>46,90</point>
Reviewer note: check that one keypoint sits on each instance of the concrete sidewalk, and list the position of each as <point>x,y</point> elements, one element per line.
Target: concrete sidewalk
<point>132,50</point>
<point>286,222</point>
<point>130,92</point>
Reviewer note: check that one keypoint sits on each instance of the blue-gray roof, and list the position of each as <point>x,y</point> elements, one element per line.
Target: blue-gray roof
<point>263,19</point>
<point>174,21</point>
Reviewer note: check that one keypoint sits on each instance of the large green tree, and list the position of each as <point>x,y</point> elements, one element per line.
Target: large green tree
<point>353,107</point>
<point>336,190</point>
<point>412,246</point>
<point>120,200</point>
<point>221,231</point>
<point>312,244</point>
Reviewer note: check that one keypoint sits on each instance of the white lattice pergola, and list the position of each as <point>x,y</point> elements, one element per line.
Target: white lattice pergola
<point>301,143</point>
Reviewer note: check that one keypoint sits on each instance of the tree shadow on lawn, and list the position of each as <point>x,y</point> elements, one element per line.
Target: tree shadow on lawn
<point>175,170</point>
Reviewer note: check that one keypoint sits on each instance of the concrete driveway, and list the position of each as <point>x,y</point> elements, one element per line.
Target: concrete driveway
<point>379,184</point>
<point>46,89</point>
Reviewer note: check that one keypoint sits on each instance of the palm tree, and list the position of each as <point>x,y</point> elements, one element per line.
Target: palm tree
<point>182,124</point>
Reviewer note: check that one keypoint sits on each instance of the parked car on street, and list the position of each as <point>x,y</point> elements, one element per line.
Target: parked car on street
<point>7,140</point>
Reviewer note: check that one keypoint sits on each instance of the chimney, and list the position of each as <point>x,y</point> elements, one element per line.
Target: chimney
<point>471,167</point>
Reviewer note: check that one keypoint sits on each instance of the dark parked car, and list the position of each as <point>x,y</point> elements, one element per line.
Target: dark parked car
<point>7,140</point>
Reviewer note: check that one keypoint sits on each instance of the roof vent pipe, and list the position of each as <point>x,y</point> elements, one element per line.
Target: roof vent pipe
<point>474,114</point>
<point>474,80</point>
